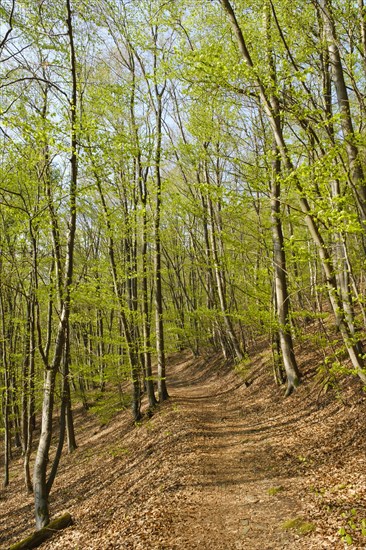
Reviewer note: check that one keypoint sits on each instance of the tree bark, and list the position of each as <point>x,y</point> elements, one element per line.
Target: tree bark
<point>6,392</point>
<point>279,258</point>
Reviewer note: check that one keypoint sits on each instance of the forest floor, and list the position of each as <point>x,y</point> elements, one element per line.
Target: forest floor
<point>220,466</point>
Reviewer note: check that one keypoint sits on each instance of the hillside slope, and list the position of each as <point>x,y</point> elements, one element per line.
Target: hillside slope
<point>220,466</point>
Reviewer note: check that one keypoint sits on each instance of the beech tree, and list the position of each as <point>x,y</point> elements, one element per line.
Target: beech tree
<point>174,175</point>
<point>42,485</point>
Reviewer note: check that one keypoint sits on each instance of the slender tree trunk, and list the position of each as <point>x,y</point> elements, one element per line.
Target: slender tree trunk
<point>15,409</point>
<point>219,278</point>
<point>100,350</point>
<point>29,396</point>
<point>66,394</point>
<point>6,390</point>
<point>209,264</point>
<point>146,319</point>
<point>362,17</point>
<point>282,296</point>
<point>279,258</point>
<point>85,336</point>
<point>141,180</point>
<point>159,322</point>
<point>131,343</point>
<point>357,178</point>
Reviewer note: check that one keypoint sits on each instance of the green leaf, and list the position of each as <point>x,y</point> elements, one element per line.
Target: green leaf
<point>348,539</point>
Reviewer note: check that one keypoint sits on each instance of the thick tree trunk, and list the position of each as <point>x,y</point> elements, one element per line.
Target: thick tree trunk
<point>342,268</point>
<point>42,457</point>
<point>278,370</point>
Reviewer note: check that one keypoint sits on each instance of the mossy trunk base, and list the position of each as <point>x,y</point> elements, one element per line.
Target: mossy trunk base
<point>38,537</point>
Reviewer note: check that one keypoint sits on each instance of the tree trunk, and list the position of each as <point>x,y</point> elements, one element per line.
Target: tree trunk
<point>131,343</point>
<point>6,390</point>
<point>40,467</point>
<point>141,181</point>
<point>66,395</point>
<point>282,295</point>
<point>28,403</point>
<point>279,258</point>
<point>42,457</point>
<point>159,322</point>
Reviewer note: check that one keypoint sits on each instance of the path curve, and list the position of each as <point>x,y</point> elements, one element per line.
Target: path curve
<point>229,502</point>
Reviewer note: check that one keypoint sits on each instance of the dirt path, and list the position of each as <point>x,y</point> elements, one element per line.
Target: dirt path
<point>230,504</point>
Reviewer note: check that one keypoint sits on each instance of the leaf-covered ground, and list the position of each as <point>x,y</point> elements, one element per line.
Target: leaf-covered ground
<point>219,466</point>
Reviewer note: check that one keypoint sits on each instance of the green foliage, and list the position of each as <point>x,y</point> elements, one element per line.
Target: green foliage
<point>243,367</point>
<point>217,166</point>
<point>108,404</point>
<point>354,526</point>
<point>272,491</point>
<point>299,525</point>
<point>118,451</point>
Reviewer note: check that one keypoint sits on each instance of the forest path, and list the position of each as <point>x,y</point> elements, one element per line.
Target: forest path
<point>219,466</point>
<point>230,501</point>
